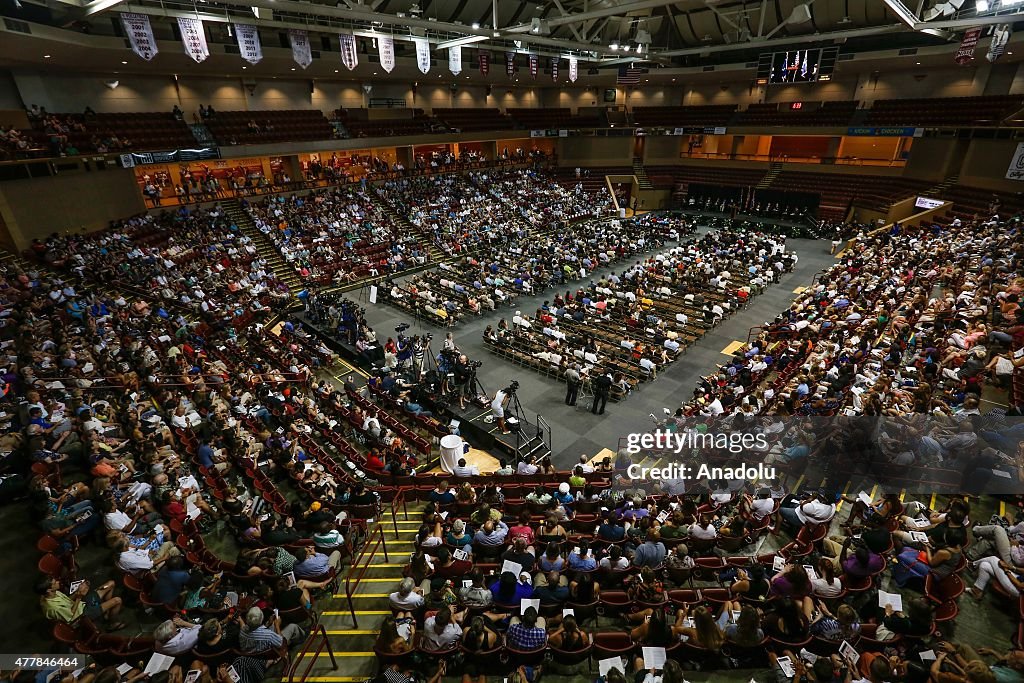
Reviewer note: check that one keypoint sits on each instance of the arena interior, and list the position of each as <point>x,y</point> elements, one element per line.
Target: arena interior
<point>511,340</point>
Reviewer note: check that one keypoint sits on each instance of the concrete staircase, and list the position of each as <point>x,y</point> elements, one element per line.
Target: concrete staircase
<point>266,249</point>
<point>202,134</point>
<point>770,176</point>
<point>939,188</point>
<point>641,174</point>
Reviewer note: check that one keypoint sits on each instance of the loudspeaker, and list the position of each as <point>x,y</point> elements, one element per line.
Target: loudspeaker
<point>801,14</point>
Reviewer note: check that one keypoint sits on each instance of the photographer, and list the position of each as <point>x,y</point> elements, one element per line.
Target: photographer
<point>501,397</point>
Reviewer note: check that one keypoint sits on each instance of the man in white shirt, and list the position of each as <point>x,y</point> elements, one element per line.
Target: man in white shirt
<point>527,467</point>
<point>176,637</point>
<point>463,470</point>
<point>440,632</point>
<point>813,510</point>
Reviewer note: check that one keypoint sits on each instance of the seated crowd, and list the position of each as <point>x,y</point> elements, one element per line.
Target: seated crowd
<point>192,261</point>
<point>510,570</point>
<point>335,236</point>
<point>528,264</point>
<point>630,325</point>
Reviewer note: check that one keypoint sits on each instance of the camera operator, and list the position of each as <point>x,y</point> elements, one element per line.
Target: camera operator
<point>419,350</point>
<point>464,373</point>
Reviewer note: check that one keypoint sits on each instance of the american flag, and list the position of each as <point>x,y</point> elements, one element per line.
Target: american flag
<point>629,75</point>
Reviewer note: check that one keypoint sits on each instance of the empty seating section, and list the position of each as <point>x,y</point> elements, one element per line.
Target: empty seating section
<point>474,119</point>
<point>969,202</point>
<point>988,110</point>
<point>358,125</point>
<point>708,115</point>
<point>839,191</point>
<point>808,114</point>
<point>250,127</point>
<point>553,117</point>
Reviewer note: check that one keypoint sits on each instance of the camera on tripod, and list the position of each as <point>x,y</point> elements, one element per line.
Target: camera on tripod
<point>402,327</point>
<point>513,387</point>
<point>475,364</point>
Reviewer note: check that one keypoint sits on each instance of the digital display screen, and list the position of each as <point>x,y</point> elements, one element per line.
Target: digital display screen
<point>797,66</point>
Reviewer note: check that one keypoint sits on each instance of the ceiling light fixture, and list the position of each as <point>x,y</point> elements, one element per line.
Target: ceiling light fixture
<point>123,62</point>
<point>476,24</point>
<point>614,45</point>
<point>981,6</point>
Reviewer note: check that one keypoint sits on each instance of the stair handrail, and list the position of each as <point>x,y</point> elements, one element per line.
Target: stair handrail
<point>319,637</point>
<point>544,429</point>
<point>357,571</point>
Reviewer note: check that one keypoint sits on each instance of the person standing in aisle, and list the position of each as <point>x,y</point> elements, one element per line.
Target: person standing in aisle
<point>602,387</point>
<point>572,382</point>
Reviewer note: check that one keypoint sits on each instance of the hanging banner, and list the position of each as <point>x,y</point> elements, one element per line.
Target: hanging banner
<point>1000,37</point>
<point>140,34</point>
<point>455,59</point>
<point>485,62</point>
<point>422,54</point>
<point>249,43</point>
<point>573,69</point>
<point>510,63</point>
<point>193,37</point>
<point>533,66</point>
<point>965,54</point>
<point>1015,171</point>
<point>349,56</point>
<point>386,47</point>
<point>301,51</point>
<point>554,68</point>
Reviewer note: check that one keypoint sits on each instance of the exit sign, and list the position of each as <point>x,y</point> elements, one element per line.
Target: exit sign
<point>796,105</point>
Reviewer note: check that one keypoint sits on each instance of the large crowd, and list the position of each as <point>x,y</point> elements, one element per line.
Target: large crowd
<point>147,403</point>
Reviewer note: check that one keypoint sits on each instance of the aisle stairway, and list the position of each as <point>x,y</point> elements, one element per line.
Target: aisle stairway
<point>641,174</point>
<point>937,189</point>
<point>770,176</point>
<point>435,255</point>
<point>352,643</point>
<point>266,249</point>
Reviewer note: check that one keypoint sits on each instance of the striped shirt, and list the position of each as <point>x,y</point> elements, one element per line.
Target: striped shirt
<point>259,639</point>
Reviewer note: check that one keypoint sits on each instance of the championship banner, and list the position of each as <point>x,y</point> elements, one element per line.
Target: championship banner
<point>349,56</point>
<point>422,54</point>
<point>966,51</point>
<point>193,38</point>
<point>533,66</point>
<point>485,62</point>
<point>1000,37</point>
<point>554,68</point>
<point>510,63</point>
<point>302,53</point>
<point>386,47</point>
<point>573,69</point>
<point>455,59</point>
<point>140,34</point>
<point>249,43</point>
